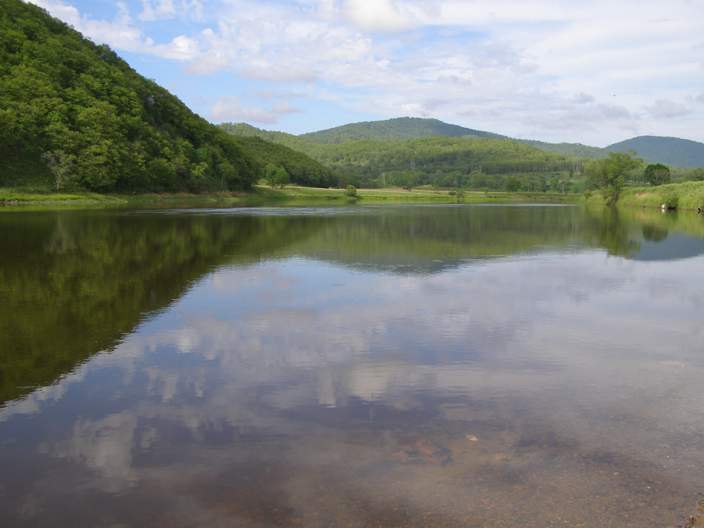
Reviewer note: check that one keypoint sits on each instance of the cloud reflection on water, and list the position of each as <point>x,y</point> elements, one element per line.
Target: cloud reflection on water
<point>275,377</point>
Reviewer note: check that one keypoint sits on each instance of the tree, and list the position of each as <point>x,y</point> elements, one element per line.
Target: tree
<point>657,174</point>
<point>351,191</point>
<point>405,179</point>
<point>81,111</point>
<point>609,174</point>
<point>276,176</point>
<point>513,184</point>
<point>61,165</point>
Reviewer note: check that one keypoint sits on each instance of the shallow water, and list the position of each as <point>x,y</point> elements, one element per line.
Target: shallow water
<point>469,366</point>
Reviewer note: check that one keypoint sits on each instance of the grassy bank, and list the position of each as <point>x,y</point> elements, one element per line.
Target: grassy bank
<point>18,199</point>
<point>685,196</point>
<point>12,197</point>
<point>262,195</point>
<point>421,195</point>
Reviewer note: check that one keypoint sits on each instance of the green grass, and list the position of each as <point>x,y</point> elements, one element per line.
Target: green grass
<point>420,195</point>
<point>684,196</point>
<point>264,195</point>
<point>32,197</point>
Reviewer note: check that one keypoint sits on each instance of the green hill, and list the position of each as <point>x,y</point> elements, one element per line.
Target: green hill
<point>441,161</point>
<point>496,162</point>
<point>246,130</point>
<point>669,150</point>
<point>410,152</point>
<point>574,150</point>
<point>301,169</point>
<point>399,128</point>
<point>74,115</point>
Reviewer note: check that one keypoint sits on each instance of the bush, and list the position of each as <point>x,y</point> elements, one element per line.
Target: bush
<point>351,191</point>
<point>671,200</point>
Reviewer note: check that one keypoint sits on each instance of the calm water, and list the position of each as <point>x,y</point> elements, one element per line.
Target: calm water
<point>461,366</point>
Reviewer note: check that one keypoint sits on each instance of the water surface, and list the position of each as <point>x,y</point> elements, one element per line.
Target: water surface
<point>463,366</point>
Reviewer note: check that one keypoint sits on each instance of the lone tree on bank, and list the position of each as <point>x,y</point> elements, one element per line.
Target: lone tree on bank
<point>61,165</point>
<point>609,174</point>
<point>657,174</point>
<point>276,176</point>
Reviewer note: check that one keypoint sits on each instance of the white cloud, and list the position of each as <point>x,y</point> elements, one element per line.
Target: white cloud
<point>583,98</point>
<point>514,67</point>
<point>167,9</point>
<point>387,15</point>
<point>666,109</point>
<point>157,9</point>
<point>121,33</point>
<point>180,48</point>
<point>231,109</point>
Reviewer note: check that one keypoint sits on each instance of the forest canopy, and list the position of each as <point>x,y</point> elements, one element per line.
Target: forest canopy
<point>75,115</point>
<point>441,161</point>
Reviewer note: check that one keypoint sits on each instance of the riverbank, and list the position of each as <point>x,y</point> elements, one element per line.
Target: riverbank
<point>687,196</point>
<point>263,195</point>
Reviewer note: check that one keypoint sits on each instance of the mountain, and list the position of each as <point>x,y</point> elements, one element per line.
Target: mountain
<point>247,130</point>
<point>668,150</point>
<point>412,151</point>
<point>443,161</point>
<point>671,151</point>
<point>398,128</point>
<point>302,169</point>
<point>451,157</point>
<point>574,150</point>
<point>75,115</point>
<point>282,150</point>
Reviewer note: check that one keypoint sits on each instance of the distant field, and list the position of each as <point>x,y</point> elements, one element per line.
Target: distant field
<point>263,195</point>
<point>421,195</point>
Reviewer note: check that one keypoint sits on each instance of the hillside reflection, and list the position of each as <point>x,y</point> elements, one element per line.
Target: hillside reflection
<point>75,284</point>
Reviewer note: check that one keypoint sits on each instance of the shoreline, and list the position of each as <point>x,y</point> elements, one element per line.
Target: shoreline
<point>684,196</point>
<point>15,200</point>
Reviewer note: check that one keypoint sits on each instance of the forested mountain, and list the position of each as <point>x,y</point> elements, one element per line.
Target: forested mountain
<point>399,128</point>
<point>73,114</point>
<point>490,163</point>
<point>246,130</point>
<point>300,168</point>
<point>669,150</point>
<point>388,152</point>
<point>445,162</point>
<point>575,150</point>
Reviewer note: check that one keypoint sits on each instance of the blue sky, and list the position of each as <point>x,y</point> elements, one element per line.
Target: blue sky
<point>558,70</point>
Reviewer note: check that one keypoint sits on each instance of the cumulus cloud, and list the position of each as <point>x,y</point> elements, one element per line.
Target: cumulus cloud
<point>387,15</point>
<point>157,9</point>
<point>583,98</point>
<point>121,32</point>
<point>231,109</point>
<point>512,67</point>
<point>166,9</point>
<point>666,109</point>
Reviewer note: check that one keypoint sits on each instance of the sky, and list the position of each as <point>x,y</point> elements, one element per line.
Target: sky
<point>588,71</point>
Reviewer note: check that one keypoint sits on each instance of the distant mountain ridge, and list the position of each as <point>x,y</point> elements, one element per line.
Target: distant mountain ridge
<point>668,150</point>
<point>395,156</point>
<point>675,152</point>
<point>397,128</point>
<point>575,150</point>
